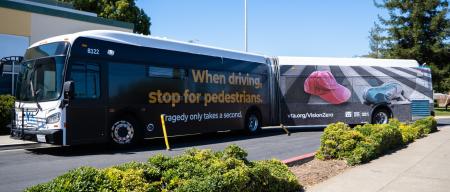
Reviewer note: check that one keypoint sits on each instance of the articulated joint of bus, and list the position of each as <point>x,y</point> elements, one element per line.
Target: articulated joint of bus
<point>43,123</point>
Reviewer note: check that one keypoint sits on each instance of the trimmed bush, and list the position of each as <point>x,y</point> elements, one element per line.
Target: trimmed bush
<point>383,136</point>
<point>338,141</point>
<point>80,179</point>
<point>368,141</point>
<point>426,125</point>
<point>195,170</point>
<point>6,104</point>
<point>409,133</point>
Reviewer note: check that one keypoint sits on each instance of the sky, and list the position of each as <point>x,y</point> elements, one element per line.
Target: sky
<point>326,28</point>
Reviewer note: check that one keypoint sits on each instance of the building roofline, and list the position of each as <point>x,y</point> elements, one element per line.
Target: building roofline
<point>55,3</point>
<point>64,14</point>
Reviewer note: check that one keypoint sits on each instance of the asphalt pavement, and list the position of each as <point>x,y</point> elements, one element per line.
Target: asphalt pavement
<point>20,168</point>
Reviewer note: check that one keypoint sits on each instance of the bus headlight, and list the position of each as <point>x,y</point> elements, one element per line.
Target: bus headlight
<point>53,118</point>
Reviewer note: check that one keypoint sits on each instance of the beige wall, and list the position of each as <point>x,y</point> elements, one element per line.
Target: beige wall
<point>44,26</point>
<point>38,26</point>
<point>15,22</point>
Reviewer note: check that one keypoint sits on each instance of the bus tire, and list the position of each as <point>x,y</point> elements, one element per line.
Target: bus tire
<point>381,116</point>
<point>124,131</point>
<point>253,122</point>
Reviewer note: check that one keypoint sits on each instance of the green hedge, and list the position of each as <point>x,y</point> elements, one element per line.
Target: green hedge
<point>366,142</point>
<point>195,170</point>
<point>6,104</point>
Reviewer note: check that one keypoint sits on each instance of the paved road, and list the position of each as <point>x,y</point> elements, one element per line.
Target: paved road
<point>22,168</point>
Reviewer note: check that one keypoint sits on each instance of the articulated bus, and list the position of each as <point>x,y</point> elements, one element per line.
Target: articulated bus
<point>108,86</point>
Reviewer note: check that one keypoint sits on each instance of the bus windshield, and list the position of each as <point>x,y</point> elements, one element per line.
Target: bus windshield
<point>41,74</point>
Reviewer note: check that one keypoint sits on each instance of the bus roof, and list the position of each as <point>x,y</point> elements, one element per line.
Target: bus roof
<point>156,42</point>
<point>286,60</point>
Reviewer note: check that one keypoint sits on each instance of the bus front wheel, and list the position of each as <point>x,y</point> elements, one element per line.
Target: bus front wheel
<point>123,131</point>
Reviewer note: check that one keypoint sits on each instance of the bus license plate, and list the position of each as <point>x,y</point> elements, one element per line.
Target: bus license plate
<point>41,138</point>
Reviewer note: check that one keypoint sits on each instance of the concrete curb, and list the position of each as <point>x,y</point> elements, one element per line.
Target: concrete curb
<point>442,117</point>
<point>18,146</point>
<point>298,160</point>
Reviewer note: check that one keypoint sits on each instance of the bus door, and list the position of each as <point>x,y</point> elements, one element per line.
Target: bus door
<point>86,112</point>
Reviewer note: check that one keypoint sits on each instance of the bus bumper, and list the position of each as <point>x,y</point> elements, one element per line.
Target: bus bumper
<point>51,136</point>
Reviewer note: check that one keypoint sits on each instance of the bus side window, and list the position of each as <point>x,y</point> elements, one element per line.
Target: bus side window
<point>166,72</point>
<point>87,80</point>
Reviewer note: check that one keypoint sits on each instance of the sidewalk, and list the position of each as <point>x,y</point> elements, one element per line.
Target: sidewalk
<point>7,143</point>
<point>423,166</point>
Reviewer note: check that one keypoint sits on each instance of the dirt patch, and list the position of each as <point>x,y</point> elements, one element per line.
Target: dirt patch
<point>316,171</point>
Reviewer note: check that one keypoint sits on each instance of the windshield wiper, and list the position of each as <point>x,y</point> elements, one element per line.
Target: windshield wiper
<point>35,95</point>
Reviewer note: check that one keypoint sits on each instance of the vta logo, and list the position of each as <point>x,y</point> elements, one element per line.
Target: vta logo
<point>29,116</point>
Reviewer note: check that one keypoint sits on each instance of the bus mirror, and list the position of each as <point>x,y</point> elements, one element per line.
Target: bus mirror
<point>69,88</point>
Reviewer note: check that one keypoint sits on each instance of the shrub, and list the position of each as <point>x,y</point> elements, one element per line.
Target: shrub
<point>151,173</point>
<point>383,136</point>
<point>80,179</point>
<point>426,125</point>
<point>195,170</point>
<point>338,141</point>
<point>409,133</point>
<point>6,104</point>
<point>272,175</point>
<point>127,180</point>
<point>368,141</point>
<point>228,170</point>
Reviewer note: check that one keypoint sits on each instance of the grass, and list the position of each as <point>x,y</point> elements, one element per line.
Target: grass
<point>442,111</point>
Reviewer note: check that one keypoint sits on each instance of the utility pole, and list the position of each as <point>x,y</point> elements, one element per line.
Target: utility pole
<point>245,26</point>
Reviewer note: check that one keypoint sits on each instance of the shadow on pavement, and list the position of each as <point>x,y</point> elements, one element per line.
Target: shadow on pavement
<point>158,143</point>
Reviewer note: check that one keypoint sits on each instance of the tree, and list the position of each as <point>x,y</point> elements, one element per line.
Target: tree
<point>121,10</point>
<point>416,29</point>
<point>376,41</point>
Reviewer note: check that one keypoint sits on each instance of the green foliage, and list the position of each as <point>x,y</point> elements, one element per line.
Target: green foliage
<point>151,173</point>
<point>195,170</point>
<point>271,175</point>
<point>6,105</point>
<point>409,133</point>
<point>368,141</point>
<point>417,30</point>
<point>127,180</point>
<point>426,125</point>
<point>121,10</point>
<point>338,141</point>
<point>384,137</point>
<point>81,179</point>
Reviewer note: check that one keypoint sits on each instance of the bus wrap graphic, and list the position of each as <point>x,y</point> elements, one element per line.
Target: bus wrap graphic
<point>207,78</point>
<point>353,90</point>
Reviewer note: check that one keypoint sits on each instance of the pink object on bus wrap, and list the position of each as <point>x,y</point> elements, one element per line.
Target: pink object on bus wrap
<point>324,85</point>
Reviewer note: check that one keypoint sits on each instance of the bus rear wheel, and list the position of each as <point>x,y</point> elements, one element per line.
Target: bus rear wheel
<point>253,122</point>
<point>380,116</point>
<point>123,132</point>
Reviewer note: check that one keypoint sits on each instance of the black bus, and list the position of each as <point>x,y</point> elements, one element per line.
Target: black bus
<point>107,86</point>
<point>100,86</point>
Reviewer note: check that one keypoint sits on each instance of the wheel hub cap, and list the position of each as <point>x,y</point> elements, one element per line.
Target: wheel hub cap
<point>253,123</point>
<point>122,132</point>
<point>381,118</point>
